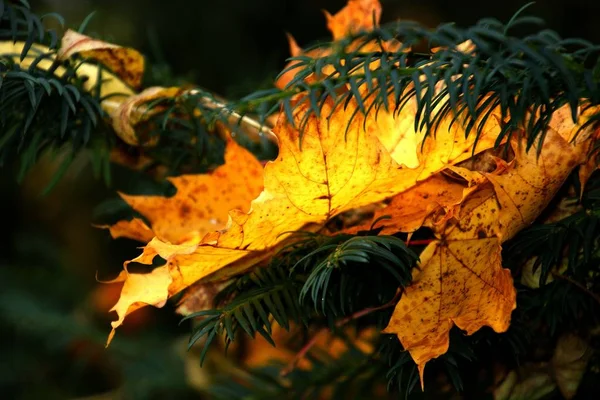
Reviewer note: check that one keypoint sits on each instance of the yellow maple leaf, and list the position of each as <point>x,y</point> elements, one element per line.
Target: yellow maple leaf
<point>334,170</point>
<point>462,281</point>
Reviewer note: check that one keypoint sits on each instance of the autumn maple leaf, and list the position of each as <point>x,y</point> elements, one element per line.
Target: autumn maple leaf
<point>461,280</point>
<point>334,170</point>
<point>342,160</point>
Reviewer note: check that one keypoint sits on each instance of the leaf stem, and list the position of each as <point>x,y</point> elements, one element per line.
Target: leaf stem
<point>423,242</point>
<point>578,285</point>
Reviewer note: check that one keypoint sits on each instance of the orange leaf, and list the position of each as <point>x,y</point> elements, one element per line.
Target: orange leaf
<point>462,280</point>
<point>455,288</point>
<point>126,63</point>
<point>202,201</point>
<point>135,229</point>
<point>333,171</point>
<point>408,211</point>
<point>356,16</point>
<point>147,288</point>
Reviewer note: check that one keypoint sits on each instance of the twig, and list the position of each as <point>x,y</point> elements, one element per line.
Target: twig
<point>235,117</point>
<point>359,314</point>
<point>300,355</point>
<point>370,310</point>
<point>423,242</point>
<point>577,284</point>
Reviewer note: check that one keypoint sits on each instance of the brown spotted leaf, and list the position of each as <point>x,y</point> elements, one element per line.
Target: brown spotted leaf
<point>126,63</point>
<point>134,110</point>
<point>455,288</point>
<point>462,281</point>
<point>331,171</point>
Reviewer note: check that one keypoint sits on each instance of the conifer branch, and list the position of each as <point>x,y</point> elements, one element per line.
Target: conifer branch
<point>261,295</point>
<point>279,291</point>
<point>528,77</point>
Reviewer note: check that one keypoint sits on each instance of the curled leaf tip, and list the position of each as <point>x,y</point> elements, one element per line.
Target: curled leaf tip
<point>126,63</point>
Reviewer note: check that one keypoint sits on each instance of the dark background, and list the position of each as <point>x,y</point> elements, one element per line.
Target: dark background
<point>231,45</point>
<point>53,313</point>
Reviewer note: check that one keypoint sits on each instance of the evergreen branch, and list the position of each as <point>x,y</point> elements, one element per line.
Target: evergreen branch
<point>337,253</point>
<point>548,242</point>
<point>557,307</point>
<point>402,371</point>
<point>45,106</point>
<point>301,267</point>
<point>263,294</point>
<point>18,22</point>
<point>279,291</point>
<point>45,111</point>
<point>527,78</point>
